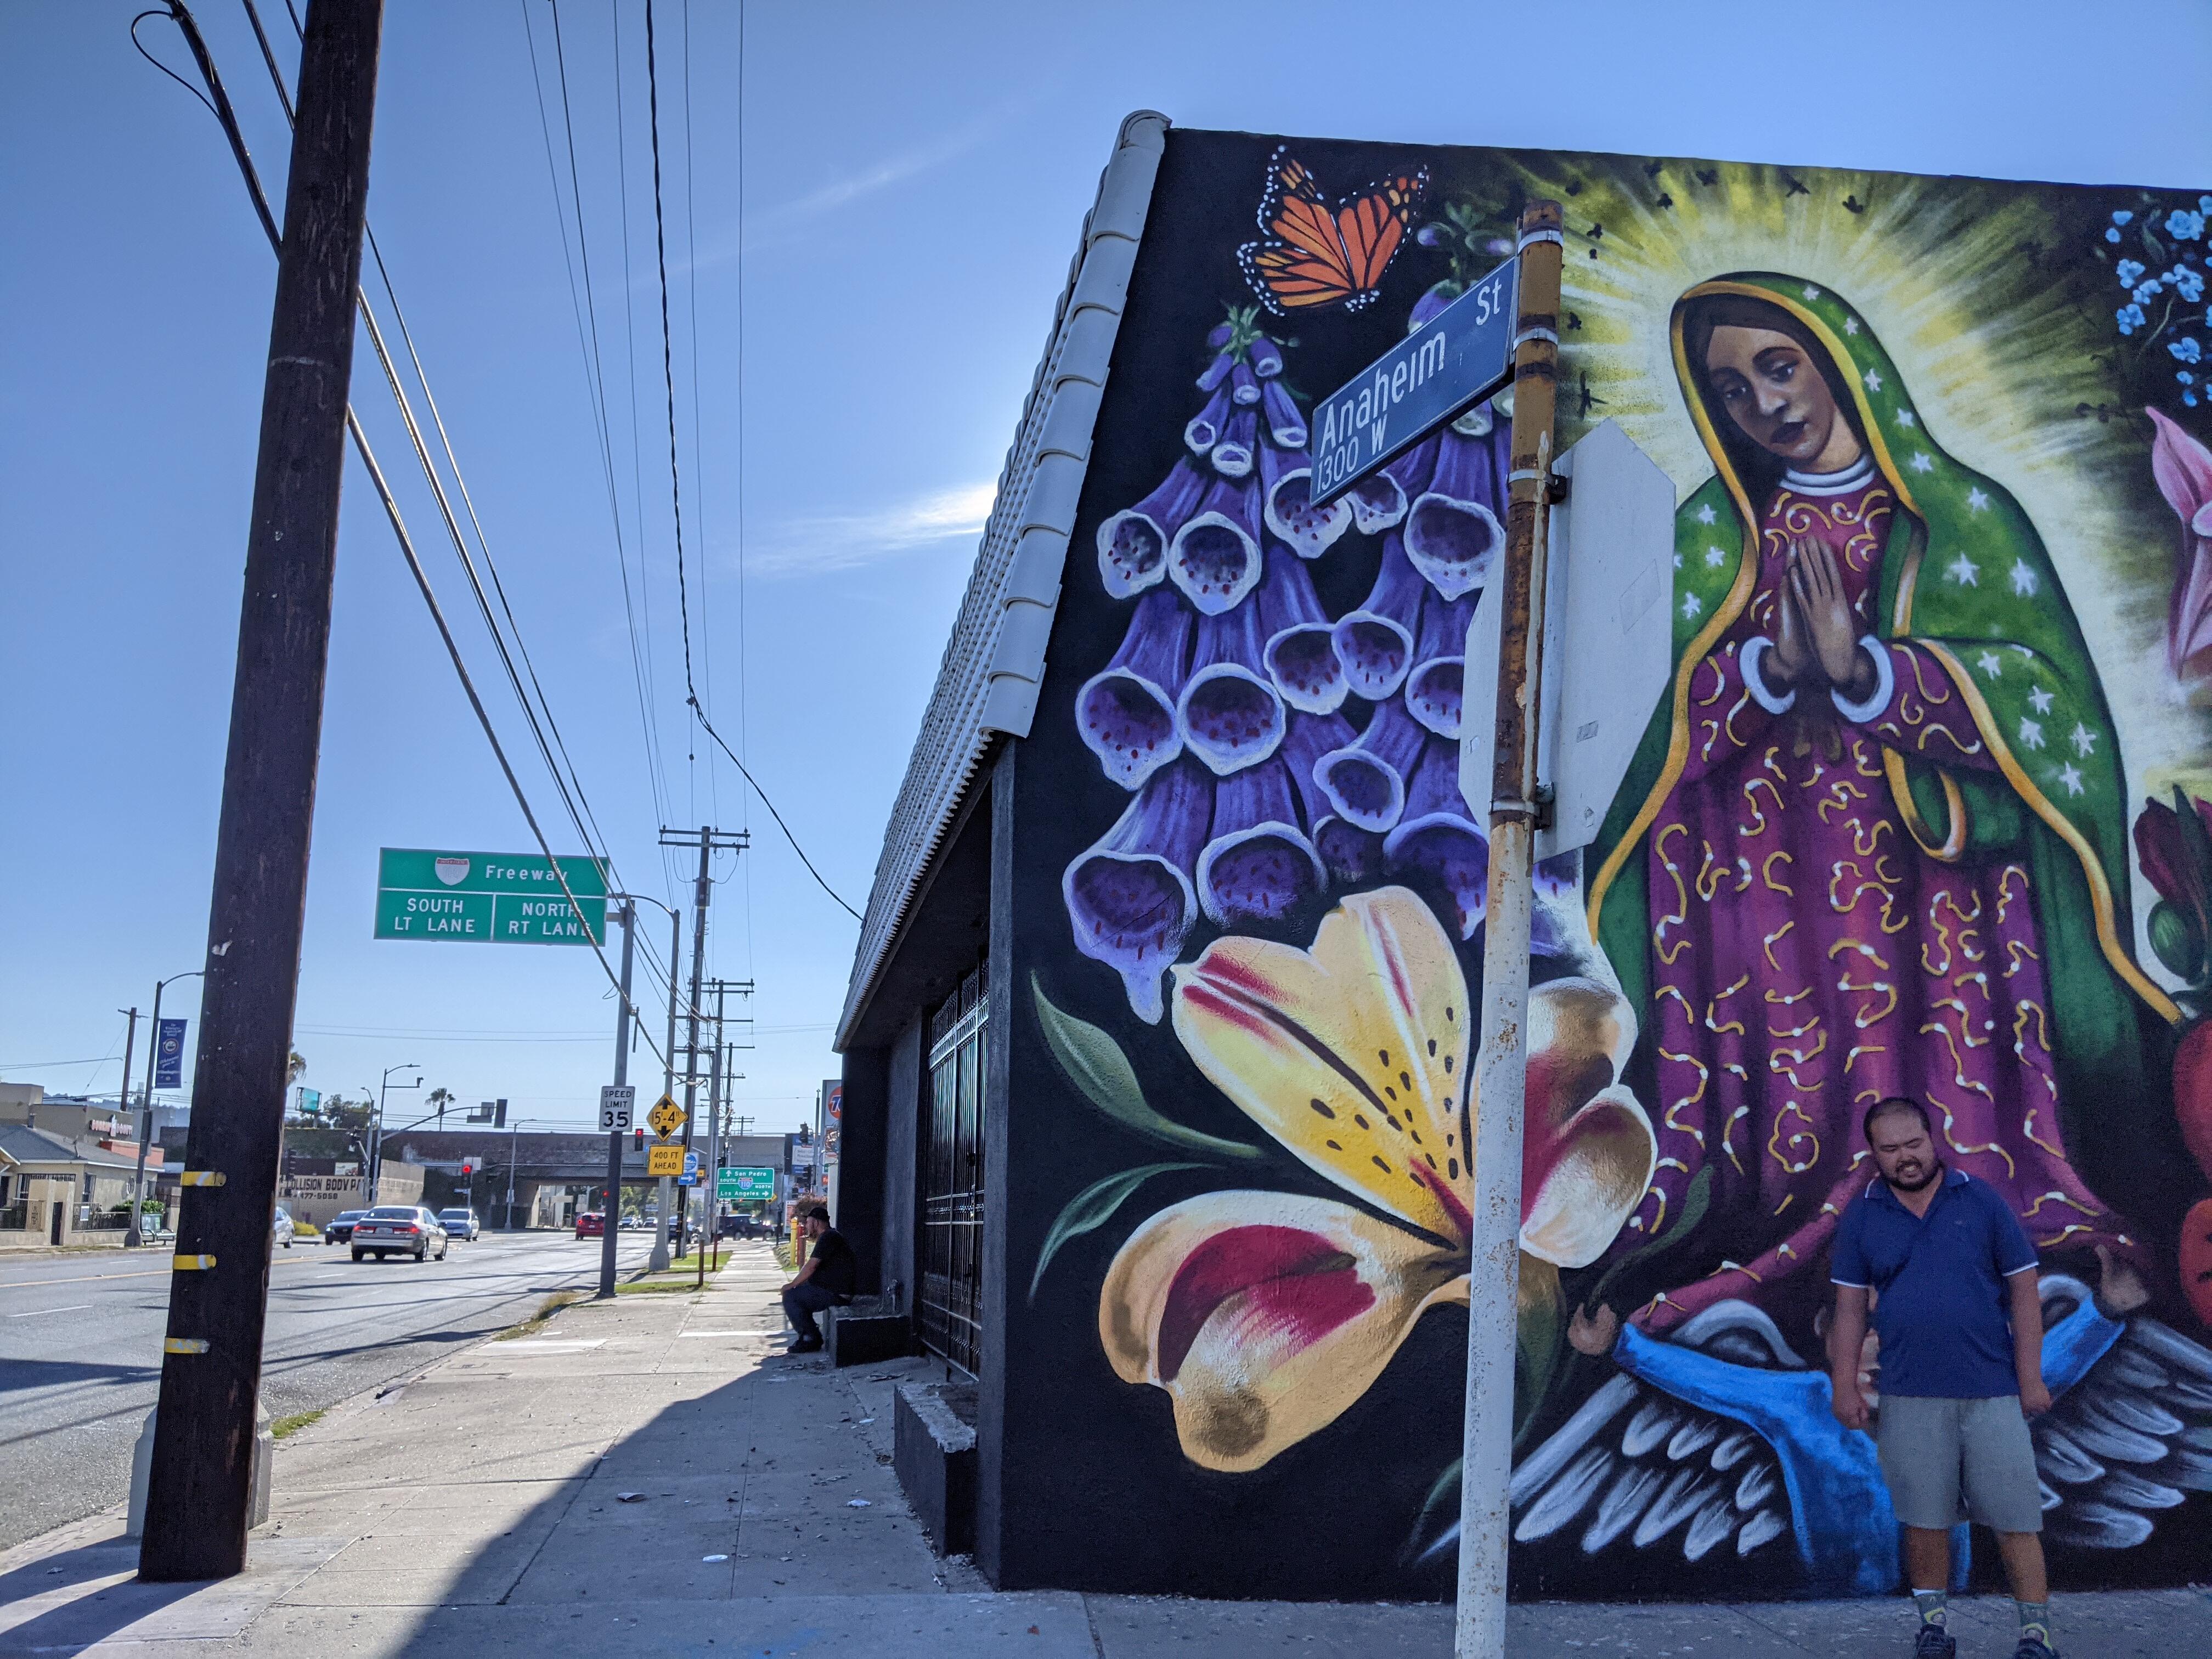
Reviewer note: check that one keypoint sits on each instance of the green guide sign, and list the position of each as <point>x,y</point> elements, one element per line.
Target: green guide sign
<point>488,898</point>
<point>743,1186</point>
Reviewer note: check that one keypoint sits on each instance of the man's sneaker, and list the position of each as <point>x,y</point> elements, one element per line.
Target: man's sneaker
<point>2034,1648</point>
<point>1936,1643</point>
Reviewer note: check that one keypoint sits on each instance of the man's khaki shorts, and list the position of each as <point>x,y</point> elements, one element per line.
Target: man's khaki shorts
<point>1948,1461</point>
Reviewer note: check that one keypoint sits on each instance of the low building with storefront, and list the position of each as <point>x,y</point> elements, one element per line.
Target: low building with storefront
<point>316,1190</point>
<point>1158,1043</point>
<point>59,1189</point>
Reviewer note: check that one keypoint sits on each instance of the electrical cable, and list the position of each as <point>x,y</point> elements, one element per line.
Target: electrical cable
<point>219,104</point>
<point>668,373</point>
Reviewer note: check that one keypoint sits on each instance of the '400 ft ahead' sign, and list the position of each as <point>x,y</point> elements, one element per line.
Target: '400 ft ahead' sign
<point>488,898</point>
<point>1463,354</point>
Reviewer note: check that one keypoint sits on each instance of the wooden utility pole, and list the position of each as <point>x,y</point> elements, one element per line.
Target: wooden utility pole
<point>1501,1060</point>
<point>199,1498</point>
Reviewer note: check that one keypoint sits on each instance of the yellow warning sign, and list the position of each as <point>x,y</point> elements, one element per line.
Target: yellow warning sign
<point>664,1160</point>
<point>666,1117</point>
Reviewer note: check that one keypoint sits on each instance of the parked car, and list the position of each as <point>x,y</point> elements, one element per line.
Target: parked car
<point>461,1224</point>
<point>280,1228</point>
<point>339,1229</point>
<point>590,1224</point>
<point>399,1229</point>
<point>630,1224</point>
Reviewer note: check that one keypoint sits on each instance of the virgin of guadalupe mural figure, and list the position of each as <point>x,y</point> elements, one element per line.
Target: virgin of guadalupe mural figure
<point>1874,841</point>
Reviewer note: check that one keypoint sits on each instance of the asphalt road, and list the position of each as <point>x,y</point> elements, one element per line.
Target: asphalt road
<point>81,1346</point>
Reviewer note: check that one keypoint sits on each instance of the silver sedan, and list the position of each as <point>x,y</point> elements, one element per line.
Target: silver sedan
<point>399,1230</point>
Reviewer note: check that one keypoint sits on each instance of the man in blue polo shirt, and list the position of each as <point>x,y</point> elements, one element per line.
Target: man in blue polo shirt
<point>1951,1278</point>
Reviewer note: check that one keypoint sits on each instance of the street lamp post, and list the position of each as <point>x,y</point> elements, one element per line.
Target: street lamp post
<point>133,1235</point>
<point>376,1138</point>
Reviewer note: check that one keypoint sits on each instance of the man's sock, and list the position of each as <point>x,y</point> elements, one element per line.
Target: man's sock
<point>1934,1606</point>
<point>2034,1621</point>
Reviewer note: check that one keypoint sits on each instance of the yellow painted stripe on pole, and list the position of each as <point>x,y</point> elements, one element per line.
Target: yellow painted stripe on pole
<point>185,1345</point>
<point>201,1178</point>
<point>186,1264</point>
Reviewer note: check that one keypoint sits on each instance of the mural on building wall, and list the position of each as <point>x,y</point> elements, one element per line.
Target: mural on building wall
<point>1923,812</point>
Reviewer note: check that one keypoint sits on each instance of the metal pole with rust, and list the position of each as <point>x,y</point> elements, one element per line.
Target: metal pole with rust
<point>1501,1060</point>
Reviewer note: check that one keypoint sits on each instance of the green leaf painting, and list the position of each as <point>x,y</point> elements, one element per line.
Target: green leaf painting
<point>1095,1064</point>
<point>1092,1209</point>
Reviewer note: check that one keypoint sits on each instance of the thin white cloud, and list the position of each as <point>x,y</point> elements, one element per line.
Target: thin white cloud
<point>846,541</point>
<point>774,224</point>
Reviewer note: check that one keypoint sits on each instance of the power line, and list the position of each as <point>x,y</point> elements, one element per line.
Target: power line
<point>227,117</point>
<point>668,374</point>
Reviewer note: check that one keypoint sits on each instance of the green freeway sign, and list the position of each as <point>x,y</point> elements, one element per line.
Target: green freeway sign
<point>742,1186</point>
<point>488,898</point>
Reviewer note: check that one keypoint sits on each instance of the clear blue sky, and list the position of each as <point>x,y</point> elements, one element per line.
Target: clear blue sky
<point>913,179</point>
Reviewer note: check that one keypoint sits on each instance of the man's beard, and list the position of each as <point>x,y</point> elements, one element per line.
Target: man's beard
<point>1927,1179</point>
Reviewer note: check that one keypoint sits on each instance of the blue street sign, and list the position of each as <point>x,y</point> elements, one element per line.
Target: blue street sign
<point>1463,354</point>
<point>169,1054</point>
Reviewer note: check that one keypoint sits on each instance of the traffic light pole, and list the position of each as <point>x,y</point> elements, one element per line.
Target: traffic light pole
<point>629,919</point>
<point>707,839</point>
<point>200,1490</point>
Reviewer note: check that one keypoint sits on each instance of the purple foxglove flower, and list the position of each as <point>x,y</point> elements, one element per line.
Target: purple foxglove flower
<point>1365,781</point>
<point>1129,898</point>
<point>1557,925</point>
<point>1299,649</point>
<point>1216,371</point>
<point>1243,385</point>
<point>1133,544</point>
<point>1214,556</point>
<point>1431,305</point>
<point>1479,422</point>
<point>1217,336</point>
<point>1375,643</point>
<point>1352,856</point>
<point>1203,428</point>
<point>1230,716</point>
<point>1232,454</point>
<point>1377,501</point>
<point>1453,533</point>
<point>1438,836</point>
<point>1290,513</point>
<point>1267,357</point>
<point>1127,712</point>
<point>1284,424</point>
<point>1434,685</point>
<point>1306,740</point>
<point>1257,863</point>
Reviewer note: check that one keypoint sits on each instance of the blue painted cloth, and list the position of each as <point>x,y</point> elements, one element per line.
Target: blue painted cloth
<point>1940,1302</point>
<point>1839,1509</point>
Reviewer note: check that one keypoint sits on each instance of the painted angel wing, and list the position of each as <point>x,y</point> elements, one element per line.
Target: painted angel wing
<point>1634,1465</point>
<point>2133,1437</point>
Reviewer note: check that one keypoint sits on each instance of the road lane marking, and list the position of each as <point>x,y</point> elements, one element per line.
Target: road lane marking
<point>35,1312</point>
<point>86,1279</point>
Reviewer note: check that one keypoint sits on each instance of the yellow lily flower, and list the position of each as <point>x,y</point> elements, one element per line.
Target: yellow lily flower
<point>1265,1316</point>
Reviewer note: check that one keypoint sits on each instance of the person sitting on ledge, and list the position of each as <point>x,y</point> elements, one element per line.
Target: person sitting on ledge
<point>828,1280</point>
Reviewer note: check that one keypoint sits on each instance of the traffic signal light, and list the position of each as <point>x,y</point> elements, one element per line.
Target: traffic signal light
<point>639,1145</point>
<point>468,1168</point>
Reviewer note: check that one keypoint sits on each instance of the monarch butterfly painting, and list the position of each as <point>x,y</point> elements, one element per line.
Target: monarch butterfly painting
<point>1316,256</point>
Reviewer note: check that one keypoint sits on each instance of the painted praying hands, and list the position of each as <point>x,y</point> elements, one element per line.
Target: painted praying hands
<point>1816,636</point>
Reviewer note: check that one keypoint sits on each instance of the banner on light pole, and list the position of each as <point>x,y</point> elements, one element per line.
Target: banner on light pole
<point>169,1054</point>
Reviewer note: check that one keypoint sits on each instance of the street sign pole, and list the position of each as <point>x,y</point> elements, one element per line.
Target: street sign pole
<point>658,1261</point>
<point>199,1501</point>
<point>1501,1060</point>
<point>627,917</point>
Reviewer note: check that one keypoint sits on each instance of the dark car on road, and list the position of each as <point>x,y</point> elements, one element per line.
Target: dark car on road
<point>399,1229</point>
<point>590,1225</point>
<point>338,1230</point>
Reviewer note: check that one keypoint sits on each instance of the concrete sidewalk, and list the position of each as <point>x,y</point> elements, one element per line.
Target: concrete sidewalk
<point>634,1475</point>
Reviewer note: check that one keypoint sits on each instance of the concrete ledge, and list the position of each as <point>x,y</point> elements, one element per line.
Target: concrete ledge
<point>934,1456</point>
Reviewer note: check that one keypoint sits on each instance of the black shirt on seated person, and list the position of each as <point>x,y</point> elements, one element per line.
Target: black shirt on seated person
<point>836,1269</point>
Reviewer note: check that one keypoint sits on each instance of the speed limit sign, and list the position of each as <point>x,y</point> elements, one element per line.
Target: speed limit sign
<point>616,1100</point>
